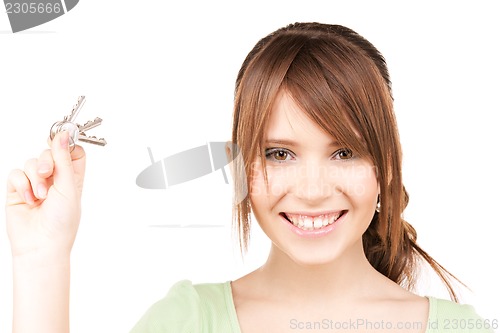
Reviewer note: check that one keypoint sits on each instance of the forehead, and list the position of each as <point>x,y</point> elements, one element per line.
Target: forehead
<point>287,121</point>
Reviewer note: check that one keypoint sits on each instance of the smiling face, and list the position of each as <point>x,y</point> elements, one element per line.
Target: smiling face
<point>320,197</point>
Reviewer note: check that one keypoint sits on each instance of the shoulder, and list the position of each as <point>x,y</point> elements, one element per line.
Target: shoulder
<point>187,307</point>
<point>448,316</point>
<point>178,311</point>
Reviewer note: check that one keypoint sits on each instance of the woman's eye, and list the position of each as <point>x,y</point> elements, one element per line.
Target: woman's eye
<point>343,154</point>
<point>278,155</point>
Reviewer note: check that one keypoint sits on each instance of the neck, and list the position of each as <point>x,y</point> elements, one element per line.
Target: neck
<point>341,278</point>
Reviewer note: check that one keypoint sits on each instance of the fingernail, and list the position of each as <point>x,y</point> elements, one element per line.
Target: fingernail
<point>41,190</point>
<point>43,168</point>
<point>64,140</point>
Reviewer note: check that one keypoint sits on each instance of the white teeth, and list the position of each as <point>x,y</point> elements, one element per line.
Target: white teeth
<point>333,218</point>
<point>308,223</point>
<point>311,223</point>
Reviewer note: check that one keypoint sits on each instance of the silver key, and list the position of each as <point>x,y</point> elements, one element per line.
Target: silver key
<point>77,132</point>
<point>76,109</point>
<point>91,139</point>
<point>90,125</point>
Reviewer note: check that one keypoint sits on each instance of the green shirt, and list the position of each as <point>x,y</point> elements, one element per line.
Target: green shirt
<point>209,307</point>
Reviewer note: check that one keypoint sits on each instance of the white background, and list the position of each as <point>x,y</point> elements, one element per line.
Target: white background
<point>162,75</point>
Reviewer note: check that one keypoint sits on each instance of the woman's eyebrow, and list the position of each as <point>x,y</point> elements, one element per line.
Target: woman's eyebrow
<point>282,142</point>
<point>291,143</point>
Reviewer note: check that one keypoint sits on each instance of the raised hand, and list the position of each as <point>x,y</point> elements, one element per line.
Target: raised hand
<point>43,210</point>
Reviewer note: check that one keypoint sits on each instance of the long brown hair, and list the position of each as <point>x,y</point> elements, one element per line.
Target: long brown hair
<point>341,81</point>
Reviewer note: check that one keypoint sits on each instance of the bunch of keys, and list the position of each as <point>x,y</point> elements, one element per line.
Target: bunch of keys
<point>77,132</point>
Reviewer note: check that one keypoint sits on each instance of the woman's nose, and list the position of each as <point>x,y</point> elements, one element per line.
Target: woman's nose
<point>313,182</point>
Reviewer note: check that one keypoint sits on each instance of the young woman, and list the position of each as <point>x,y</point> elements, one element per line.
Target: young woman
<point>314,122</point>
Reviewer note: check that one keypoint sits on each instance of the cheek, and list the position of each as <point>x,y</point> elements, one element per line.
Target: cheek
<point>359,182</point>
<point>259,193</point>
<point>275,187</point>
<point>257,182</point>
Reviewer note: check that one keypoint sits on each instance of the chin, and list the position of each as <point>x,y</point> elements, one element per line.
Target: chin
<point>314,260</point>
<point>317,254</point>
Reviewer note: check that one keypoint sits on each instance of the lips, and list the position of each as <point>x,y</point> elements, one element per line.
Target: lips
<point>313,222</point>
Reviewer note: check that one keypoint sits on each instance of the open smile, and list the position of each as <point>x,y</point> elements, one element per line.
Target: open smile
<point>308,222</point>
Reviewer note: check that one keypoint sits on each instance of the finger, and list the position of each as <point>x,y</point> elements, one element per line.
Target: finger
<point>19,189</point>
<point>39,185</point>
<point>67,164</point>
<point>78,157</point>
<point>76,151</point>
<point>45,165</point>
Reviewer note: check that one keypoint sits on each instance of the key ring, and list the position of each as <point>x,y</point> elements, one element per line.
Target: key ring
<point>77,132</point>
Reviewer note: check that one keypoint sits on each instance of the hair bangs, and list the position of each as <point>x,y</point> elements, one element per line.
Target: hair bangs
<point>324,94</point>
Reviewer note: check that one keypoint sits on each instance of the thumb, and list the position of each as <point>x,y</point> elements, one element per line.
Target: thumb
<point>64,180</point>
